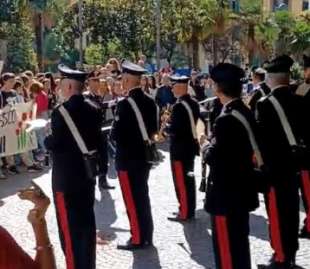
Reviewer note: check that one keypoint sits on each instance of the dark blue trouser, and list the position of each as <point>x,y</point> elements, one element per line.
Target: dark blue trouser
<point>77,229</point>
<point>133,178</point>
<point>230,234</point>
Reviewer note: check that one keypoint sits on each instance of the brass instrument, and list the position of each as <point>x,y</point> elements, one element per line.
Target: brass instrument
<point>165,118</point>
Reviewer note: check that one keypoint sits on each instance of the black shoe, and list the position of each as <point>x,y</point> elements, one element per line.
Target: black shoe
<point>34,168</point>
<point>106,186</point>
<point>103,183</point>
<point>179,219</point>
<point>304,234</point>
<point>130,247</point>
<point>13,170</point>
<point>275,265</point>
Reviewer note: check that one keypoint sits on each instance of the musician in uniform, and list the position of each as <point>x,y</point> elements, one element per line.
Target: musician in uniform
<point>73,189</point>
<point>260,87</point>
<point>231,192</point>
<point>92,94</point>
<point>304,91</point>
<point>212,109</point>
<point>282,198</point>
<point>131,155</point>
<point>184,147</point>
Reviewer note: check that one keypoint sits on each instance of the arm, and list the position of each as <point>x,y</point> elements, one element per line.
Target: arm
<point>118,126</point>
<point>45,258</point>
<point>53,141</point>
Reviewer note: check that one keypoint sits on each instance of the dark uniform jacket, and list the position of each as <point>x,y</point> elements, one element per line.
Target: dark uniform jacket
<point>262,91</point>
<point>68,167</point>
<point>276,151</point>
<point>183,145</point>
<point>214,109</point>
<point>304,91</point>
<point>230,186</point>
<point>125,131</point>
<point>198,89</point>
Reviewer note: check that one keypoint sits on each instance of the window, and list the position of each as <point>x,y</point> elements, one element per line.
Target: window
<point>235,5</point>
<point>280,5</point>
<point>306,5</point>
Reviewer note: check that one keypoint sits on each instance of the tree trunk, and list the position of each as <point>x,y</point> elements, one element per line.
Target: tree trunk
<point>195,47</point>
<point>189,58</point>
<point>215,50</point>
<point>39,40</point>
<point>251,43</point>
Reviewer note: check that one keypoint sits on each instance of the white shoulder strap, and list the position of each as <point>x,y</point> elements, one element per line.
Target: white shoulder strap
<point>72,127</point>
<point>191,118</point>
<point>262,91</point>
<point>139,119</point>
<point>253,141</point>
<point>284,121</point>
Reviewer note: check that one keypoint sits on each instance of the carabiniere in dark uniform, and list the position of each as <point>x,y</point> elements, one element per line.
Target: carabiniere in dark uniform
<point>131,156</point>
<point>73,190</point>
<point>103,161</point>
<point>282,199</point>
<point>304,91</point>
<point>184,148</point>
<point>231,193</point>
<point>260,87</point>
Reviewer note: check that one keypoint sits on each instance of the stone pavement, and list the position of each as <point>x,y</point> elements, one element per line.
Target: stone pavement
<point>177,246</point>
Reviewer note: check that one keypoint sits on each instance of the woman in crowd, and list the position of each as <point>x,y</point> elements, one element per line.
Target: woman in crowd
<point>145,84</point>
<point>152,87</point>
<point>50,88</point>
<point>12,256</point>
<point>114,67</point>
<point>41,99</point>
<point>26,88</point>
<point>19,88</point>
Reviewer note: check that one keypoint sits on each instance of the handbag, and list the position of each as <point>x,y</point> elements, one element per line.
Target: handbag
<point>299,149</point>
<point>151,153</point>
<point>260,174</point>
<point>90,158</point>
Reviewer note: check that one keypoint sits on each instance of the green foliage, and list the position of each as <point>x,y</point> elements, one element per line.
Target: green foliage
<point>296,72</point>
<point>301,36</point>
<point>21,55</point>
<point>94,54</point>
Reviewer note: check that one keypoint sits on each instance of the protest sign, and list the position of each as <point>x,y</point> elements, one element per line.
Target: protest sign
<point>14,136</point>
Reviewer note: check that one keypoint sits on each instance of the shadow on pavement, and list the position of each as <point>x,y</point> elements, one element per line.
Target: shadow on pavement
<point>105,216</point>
<point>259,227</point>
<point>146,259</point>
<point>199,240</point>
<point>13,184</point>
<point>163,146</point>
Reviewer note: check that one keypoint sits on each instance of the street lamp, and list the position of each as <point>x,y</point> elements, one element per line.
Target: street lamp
<point>158,24</point>
<point>80,20</point>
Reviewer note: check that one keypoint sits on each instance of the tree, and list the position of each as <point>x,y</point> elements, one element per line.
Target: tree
<point>301,35</point>
<point>43,13</point>
<point>21,55</point>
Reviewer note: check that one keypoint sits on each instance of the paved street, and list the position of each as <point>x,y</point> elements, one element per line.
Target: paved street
<point>176,246</point>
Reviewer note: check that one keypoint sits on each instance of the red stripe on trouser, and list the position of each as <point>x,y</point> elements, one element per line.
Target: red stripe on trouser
<point>131,208</point>
<point>180,182</point>
<point>223,242</point>
<point>64,226</point>
<point>305,177</point>
<point>275,232</point>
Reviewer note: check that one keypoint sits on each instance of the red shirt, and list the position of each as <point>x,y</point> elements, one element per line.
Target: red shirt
<point>42,102</point>
<point>12,256</point>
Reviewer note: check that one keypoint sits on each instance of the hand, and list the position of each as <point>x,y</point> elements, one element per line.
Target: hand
<point>41,202</point>
<point>203,139</point>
